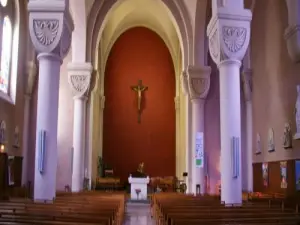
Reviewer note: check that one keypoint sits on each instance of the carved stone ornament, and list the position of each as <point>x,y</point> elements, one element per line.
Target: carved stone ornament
<point>258,144</point>
<point>50,26</point>
<point>229,35</point>
<point>198,81</point>
<point>79,77</point>
<point>2,132</point>
<point>287,136</point>
<point>271,144</point>
<point>247,84</point>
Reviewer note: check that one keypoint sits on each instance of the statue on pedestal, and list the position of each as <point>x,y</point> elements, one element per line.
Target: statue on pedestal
<point>287,136</point>
<point>140,171</point>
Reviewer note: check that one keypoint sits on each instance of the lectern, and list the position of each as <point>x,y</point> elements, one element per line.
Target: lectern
<point>138,190</point>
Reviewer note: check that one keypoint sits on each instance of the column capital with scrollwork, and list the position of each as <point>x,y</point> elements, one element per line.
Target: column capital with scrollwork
<point>229,33</point>
<point>50,26</point>
<point>79,78</point>
<point>198,81</point>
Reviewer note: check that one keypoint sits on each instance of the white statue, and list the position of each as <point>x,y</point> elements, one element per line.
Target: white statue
<point>2,132</point>
<point>271,145</point>
<point>258,144</point>
<point>16,138</point>
<point>297,114</point>
<point>287,136</point>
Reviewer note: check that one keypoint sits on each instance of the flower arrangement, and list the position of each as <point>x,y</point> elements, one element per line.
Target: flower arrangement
<point>138,191</point>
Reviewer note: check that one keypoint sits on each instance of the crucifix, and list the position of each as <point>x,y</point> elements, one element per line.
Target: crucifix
<point>139,89</point>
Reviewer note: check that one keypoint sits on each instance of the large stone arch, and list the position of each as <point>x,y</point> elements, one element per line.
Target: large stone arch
<point>180,15</point>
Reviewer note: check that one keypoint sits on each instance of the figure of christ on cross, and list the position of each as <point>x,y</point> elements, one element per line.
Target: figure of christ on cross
<point>139,89</point>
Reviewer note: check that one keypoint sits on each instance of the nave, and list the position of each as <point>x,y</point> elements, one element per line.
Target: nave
<point>168,208</point>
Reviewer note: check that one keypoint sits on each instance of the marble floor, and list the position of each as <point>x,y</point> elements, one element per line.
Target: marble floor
<point>138,214</point>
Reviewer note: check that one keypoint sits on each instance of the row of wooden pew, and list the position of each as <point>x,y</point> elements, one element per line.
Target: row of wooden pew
<point>68,209</point>
<point>180,209</point>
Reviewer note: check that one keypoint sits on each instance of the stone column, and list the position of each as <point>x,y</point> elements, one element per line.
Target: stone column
<point>185,89</point>
<point>247,86</point>
<point>198,86</point>
<point>50,27</point>
<point>229,35</point>
<point>177,112</point>
<point>31,73</point>
<point>79,75</point>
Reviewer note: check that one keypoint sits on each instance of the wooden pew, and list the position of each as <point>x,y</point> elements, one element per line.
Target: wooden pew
<point>69,209</point>
<point>179,209</point>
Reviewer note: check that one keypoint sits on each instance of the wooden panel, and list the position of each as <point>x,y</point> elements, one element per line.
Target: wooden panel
<point>3,176</point>
<point>257,177</point>
<point>275,178</point>
<point>17,167</point>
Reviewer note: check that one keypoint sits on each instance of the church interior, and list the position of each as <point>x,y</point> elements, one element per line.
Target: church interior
<point>165,112</point>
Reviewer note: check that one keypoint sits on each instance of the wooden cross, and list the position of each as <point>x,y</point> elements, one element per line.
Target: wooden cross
<point>139,89</point>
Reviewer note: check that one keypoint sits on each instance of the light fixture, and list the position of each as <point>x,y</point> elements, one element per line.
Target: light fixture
<point>2,148</point>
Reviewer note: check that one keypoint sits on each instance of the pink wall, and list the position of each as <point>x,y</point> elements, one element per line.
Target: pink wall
<point>212,128</point>
<point>274,79</point>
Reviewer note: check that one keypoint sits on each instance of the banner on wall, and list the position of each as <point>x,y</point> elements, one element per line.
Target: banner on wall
<point>283,174</point>
<point>199,154</point>
<point>297,173</point>
<point>265,174</point>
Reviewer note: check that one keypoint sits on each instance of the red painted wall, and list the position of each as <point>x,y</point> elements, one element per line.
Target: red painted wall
<point>139,54</point>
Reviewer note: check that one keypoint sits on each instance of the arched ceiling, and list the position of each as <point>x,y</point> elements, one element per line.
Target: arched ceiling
<point>152,14</point>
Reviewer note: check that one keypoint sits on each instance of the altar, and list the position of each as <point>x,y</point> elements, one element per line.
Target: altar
<point>138,189</point>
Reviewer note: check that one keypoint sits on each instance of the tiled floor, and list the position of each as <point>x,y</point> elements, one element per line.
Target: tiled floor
<point>138,214</point>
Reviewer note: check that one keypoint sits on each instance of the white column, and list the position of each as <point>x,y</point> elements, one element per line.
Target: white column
<point>178,159</point>
<point>198,176</point>
<point>198,85</point>
<point>247,86</point>
<point>78,143</point>
<point>187,150</point>
<point>47,115</point>
<point>25,139</point>
<point>230,111</point>
<point>79,76</point>
<point>50,28</point>
<point>229,36</point>
<point>31,77</point>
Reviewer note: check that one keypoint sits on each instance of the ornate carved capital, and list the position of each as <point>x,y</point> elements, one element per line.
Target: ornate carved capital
<point>184,82</point>
<point>50,26</point>
<point>198,81</point>
<point>79,77</point>
<point>229,35</point>
<point>247,84</point>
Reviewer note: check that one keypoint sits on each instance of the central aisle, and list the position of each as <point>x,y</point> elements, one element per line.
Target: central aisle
<point>138,214</point>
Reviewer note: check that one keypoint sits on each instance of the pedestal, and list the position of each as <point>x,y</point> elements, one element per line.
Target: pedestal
<point>138,184</point>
